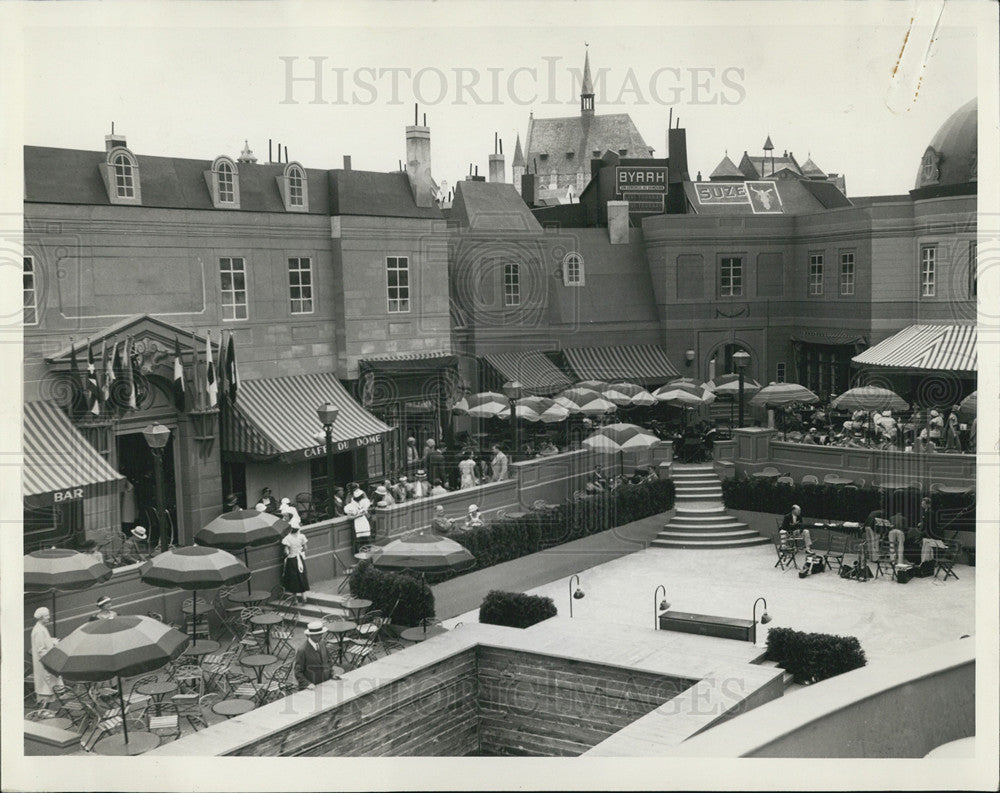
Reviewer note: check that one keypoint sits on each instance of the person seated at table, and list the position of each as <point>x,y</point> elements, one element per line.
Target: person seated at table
<point>401,490</point>
<point>382,497</point>
<point>792,524</point>
<point>547,448</point>
<point>924,443</point>
<point>136,547</point>
<point>312,663</point>
<point>810,436</point>
<point>528,450</point>
<point>442,524</point>
<point>439,489</point>
<point>929,537</point>
<point>338,502</point>
<point>232,503</point>
<point>474,519</point>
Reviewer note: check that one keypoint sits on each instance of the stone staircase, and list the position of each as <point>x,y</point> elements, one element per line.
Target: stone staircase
<point>700,520</point>
<point>319,605</point>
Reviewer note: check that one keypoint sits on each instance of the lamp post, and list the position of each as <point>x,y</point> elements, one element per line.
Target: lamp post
<point>328,416</point>
<point>689,357</point>
<point>156,436</point>
<point>764,618</point>
<point>513,389</point>
<point>741,359</point>
<point>574,595</point>
<point>658,607</point>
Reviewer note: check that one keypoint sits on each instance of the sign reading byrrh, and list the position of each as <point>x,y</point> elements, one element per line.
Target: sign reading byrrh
<point>644,187</point>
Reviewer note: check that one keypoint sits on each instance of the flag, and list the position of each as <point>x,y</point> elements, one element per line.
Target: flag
<point>221,367</point>
<point>198,395</point>
<point>93,387</point>
<point>107,364</point>
<point>127,372</point>
<point>232,374</point>
<point>211,386</point>
<point>178,377</point>
<point>76,380</point>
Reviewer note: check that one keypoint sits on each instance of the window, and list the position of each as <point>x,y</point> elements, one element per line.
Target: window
<point>232,272</point>
<point>815,273</point>
<point>847,273</point>
<point>397,270</point>
<point>973,274</point>
<point>30,292</point>
<point>573,270</point>
<point>295,192</point>
<point>779,374</point>
<point>124,179</point>
<point>300,287</point>
<point>731,276</point>
<point>512,284</point>
<point>227,191</point>
<point>928,264</point>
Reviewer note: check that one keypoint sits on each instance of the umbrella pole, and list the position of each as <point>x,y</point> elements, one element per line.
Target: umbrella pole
<point>194,614</point>
<point>53,612</point>
<point>121,700</point>
<point>246,561</point>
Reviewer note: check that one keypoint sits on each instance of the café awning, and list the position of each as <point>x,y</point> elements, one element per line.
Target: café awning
<point>408,362</point>
<point>830,338</point>
<point>532,369</point>
<point>275,418</point>
<point>59,464</point>
<point>643,364</point>
<point>941,348</point>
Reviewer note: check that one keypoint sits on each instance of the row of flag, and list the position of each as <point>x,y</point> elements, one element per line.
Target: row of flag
<point>110,382</point>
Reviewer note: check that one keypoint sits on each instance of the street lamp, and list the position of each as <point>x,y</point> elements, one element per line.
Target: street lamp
<point>741,360</point>
<point>327,417</point>
<point>513,389</point>
<point>574,595</point>
<point>156,436</point>
<point>764,618</point>
<point>659,606</point>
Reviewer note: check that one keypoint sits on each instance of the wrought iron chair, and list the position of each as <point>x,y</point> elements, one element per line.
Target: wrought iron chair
<point>945,559</point>
<point>786,553</point>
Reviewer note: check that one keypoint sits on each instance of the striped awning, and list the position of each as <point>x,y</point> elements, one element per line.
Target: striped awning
<point>532,369</point>
<point>275,418</point>
<point>643,364</point>
<point>943,348</point>
<point>830,338</point>
<point>59,464</point>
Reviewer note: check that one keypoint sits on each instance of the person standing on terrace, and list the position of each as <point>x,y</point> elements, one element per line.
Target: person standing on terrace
<point>467,471</point>
<point>499,463</point>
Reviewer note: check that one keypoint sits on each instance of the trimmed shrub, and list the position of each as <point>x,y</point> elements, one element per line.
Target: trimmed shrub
<point>384,588</point>
<point>811,657</point>
<point>515,609</point>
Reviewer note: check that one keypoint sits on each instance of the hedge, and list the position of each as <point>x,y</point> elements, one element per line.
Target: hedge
<point>505,539</point>
<point>833,502</point>
<point>383,588</point>
<point>811,657</point>
<point>515,609</point>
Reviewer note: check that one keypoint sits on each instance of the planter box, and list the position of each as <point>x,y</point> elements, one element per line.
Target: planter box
<point>706,625</point>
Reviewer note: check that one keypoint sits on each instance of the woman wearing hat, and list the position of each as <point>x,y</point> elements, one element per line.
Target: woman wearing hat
<point>104,610</point>
<point>289,513</point>
<point>474,520</point>
<point>41,643</point>
<point>293,572</point>
<point>383,498</point>
<point>421,487</point>
<point>358,508</point>
<point>952,442</point>
<point>136,547</point>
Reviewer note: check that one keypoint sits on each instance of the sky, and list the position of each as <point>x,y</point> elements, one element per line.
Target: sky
<point>819,81</point>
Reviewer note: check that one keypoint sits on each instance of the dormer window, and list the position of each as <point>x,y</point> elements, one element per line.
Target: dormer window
<point>543,156</point>
<point>294,188</point>
<point>120,172</point>
<point>224,184</point>
<point>569,155</point>
<point>622,152</point>
<point>930,168</point>
<point>596,153</point>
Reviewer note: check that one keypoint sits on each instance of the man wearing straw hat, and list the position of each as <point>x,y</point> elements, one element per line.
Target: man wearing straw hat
<point>312,660</point>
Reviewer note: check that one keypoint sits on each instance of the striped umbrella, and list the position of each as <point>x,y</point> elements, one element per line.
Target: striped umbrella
<point>586,401</point>
<point>621,438</point>
<point>729,385</point>
<point>485,405</point>
<point>536,408</point>
<point>193,567</point>
<point>628,395</point>
<point>684,381</point>
<point>593,385</point>
<point>684,395</point>
<point>62,570</point>
<point>240,530</point>
<point>426,553</point>
<point>783,394</point>
<point>967,407</point>
<point>119,647</point>
<point>869,397</point>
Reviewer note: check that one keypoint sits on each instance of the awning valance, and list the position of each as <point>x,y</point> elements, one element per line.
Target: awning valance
<point>942,348</point>
<point>643,364</point>
<point>831,338</point>
<point>59,464</point>
<point>408,362</point>
<point>275,418</point>
<point>532,369</point>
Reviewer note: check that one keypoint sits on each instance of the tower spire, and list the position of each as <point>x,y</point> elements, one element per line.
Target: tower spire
<point>587,88</point>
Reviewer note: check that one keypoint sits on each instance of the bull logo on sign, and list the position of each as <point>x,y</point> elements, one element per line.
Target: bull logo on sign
<point>764,196</point>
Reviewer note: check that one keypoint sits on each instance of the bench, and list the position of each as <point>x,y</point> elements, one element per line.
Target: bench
<point>706,625</point>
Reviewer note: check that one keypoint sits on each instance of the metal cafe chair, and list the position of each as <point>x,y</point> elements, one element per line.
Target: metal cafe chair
<point>945,559</point>
<point>786,554</point>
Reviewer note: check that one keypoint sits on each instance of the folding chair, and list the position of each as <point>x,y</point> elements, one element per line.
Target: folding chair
<point>885,555</point>
<point>189,707</point>
<point>69,705</point>
<point>945,559</point>
<point>838,546</point>
<point>277,685</point>
<point>164,720</point>
<point>786,554</point>
<point>190,679</point>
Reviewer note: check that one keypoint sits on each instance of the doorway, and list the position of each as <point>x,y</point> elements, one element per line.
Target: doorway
<point>135,462</point>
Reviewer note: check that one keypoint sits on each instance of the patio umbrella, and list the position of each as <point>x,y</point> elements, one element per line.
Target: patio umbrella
<point>729,385</point>
<point>628,395</point>
<point>870,398</point>
<point>967,407</point>
<point>485,405</point>
<point>684,395</point>
<point>536,408</point>
<point>193,567</point>
<point>621,438</point>
<point>62,570</point>
<point>120,647</point>
<point>584,400</point>
<point>684,381</point>
<point>593,385</point>
<point>240,530</point>
<point>783,394</point>
<point>425,553</point>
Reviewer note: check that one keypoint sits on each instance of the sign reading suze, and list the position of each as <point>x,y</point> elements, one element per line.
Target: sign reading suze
<point>721,193</point>
<point>636,179</point>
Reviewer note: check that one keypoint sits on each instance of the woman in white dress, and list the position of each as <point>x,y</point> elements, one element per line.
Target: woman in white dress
<point>467,472</point>
<point>358,508</point>
<point>293,575</point>
<point>41,643</point>
<point>289,513</point>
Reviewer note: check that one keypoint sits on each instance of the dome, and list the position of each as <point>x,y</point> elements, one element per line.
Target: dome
<point>950,159</point>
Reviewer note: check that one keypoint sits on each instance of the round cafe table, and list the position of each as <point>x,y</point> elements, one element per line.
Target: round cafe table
<point>233,707</point>
<point>267,619</point>
<point>138,742</point>
<point>340,629</point>
<point>419,634</point>
<point>356,606</point>
<point>201,647</point>
<point>839,480</point>
<point>158,689</point>
<point>251,598</point>
<point>203,607</point>
<point>258,662</point>
<point>954,489</point>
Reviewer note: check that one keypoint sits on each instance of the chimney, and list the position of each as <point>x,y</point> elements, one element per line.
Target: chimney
<point>113,141</point>
<point>418,162</point>
<point>497,165</point>
<point>529,185</point>
<point>347,162</point>
<point>677,170</point>
<point>618,222</point>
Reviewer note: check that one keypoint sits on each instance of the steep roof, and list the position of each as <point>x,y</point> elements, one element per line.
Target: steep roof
<point>518,154</point>
<point>798,197</point>
<point>72,176</point>
<point>757,167</point>
<point>813,171</point>
<point>726,169</point>
<point>587,86</point>
<point>492,206</point>
<point>375,194</point>
<point>581,135</point>
<point>827,193</point>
